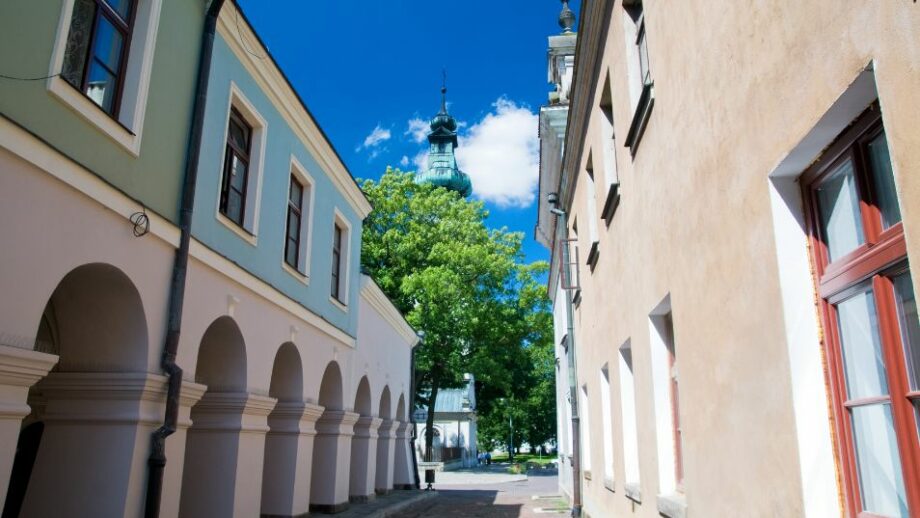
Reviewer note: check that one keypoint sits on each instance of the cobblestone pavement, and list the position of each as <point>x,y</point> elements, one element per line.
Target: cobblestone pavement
<point>481,494</point>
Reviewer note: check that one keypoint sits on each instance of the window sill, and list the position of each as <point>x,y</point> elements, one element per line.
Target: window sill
<point>86,108</point>
<point>640,118</point>
<point>632,492</point>
<point>611,203</point>
<point>238,230</point>
<point>297,274</point>
<point>339,304</point>
<point>672,505</point>
<point>587,474</point>
<point>609,485</point>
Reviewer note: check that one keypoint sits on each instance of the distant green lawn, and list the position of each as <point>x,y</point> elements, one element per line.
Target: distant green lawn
<point>525,458</point>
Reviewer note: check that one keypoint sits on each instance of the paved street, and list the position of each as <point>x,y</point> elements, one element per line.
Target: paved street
<point>492,494</point>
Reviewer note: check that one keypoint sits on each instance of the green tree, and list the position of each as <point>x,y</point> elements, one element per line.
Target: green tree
<point>431,252</point>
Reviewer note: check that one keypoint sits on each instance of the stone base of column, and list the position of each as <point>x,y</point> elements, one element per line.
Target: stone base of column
<point>382,492</point>
<point>404,487</point>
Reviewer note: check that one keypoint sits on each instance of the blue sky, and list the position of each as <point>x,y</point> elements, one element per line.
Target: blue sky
<point>367,69</point>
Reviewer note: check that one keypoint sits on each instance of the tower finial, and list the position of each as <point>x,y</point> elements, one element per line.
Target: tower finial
<point>443,90</point>
<point>566,18</point>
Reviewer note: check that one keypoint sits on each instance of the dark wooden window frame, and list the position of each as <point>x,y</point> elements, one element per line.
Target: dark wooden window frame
<point>295,209</point>
<point>126,29</point>
<point>612,198</point>
<point>870,266</point>
<point>242,155</point>
<point>338,234</point>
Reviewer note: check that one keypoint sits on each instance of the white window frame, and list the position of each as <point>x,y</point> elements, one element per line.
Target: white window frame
<point>608,426</point>
<point>259,125</point>
<point>632,482</point>
<point>127,125</point>
<point>345,258</point>
<point>302,272</point>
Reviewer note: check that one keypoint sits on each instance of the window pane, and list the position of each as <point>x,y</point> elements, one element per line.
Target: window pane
<point>862,350</point>
<point>643,58</point>
<point>108,45</point>
<point>881,482</point>
<point>838,204</point>
<point>237,173</point>
<point>293,225</point>
<point>290,253</point>
<point>239,135</point>
<point>910,327</point>
<point>883,181</point>
<point>81,28</point>
<point>101,86</point>
<point>235,207</point>
<point>296,193</point>
<point>122,7</point>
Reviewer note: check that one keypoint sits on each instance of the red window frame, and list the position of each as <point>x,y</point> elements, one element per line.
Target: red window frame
<point>870,265</point>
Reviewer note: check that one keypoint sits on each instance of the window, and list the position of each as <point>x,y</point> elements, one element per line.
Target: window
<point>608,427</point>
<point>294,223</point>
<point>870,317</point>
<point>337,262</point>
<point>341,231</point>
<point>585,414</point>
<point>611,179</point>
<point>591,207</point>
<point>97,49</point>
<point>236,169</point>
<point>630,430</point>
<point>640,77</point>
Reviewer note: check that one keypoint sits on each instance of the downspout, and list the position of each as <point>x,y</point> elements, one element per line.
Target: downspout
<point>562,228</point>
<point>156,463</point>
<point>418,482</point>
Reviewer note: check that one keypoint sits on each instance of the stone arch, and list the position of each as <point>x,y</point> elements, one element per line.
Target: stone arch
<point>363,398</point>
<point>401,409</point>
<point>402,474</point>
<point>286,461</point>
<point>89,406</point>
<point>210,476</point>
<point>383,482</point>
<point>383,409</point>
<point>330,389</point>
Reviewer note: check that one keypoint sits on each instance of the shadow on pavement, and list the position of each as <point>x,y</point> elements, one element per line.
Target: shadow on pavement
<point>466,503</point>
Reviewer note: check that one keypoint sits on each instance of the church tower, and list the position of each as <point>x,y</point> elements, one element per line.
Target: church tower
<point>442,164</point>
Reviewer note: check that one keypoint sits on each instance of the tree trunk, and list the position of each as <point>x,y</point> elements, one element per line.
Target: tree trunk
<point>429,423</point>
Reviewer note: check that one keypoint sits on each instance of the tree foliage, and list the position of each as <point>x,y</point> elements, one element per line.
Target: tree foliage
<point>464,287</point>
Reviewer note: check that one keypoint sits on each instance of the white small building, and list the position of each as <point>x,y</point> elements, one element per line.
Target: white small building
<point>454,428</point>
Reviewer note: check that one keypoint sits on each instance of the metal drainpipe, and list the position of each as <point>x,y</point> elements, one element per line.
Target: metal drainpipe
<point>562,225</point>
<point>156,463</point>
<point>418,482</point>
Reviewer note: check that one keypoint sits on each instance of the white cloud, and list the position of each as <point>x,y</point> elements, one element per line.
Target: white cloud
<point>376,137</point>
<point>417,129</point>
<point>501,155</point>
<point>421,161</point>
<point>404,161</point>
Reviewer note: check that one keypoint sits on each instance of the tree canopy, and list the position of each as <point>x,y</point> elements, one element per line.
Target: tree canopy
<point>464,287</point>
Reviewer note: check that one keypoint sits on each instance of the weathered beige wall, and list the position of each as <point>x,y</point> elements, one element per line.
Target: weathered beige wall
<point>737,86</point>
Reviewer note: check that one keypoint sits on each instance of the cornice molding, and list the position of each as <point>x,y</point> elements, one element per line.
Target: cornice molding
<point>232,27</point>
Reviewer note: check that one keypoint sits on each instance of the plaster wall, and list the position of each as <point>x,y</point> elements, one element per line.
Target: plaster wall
<point>696,222</point>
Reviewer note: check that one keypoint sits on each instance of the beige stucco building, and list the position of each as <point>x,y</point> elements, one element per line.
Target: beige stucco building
<point>739,182</point>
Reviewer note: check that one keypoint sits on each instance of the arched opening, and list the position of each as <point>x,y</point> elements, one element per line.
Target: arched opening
<point>85,416</point>
<point>329,481</point>
<point>212,447</point>
<point>363,446</point>
<point>286,446</point>
<point>402,473</point>
<point>384,474</point>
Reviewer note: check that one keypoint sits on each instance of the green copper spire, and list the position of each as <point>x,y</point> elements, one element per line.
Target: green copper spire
<point>442,164</point>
